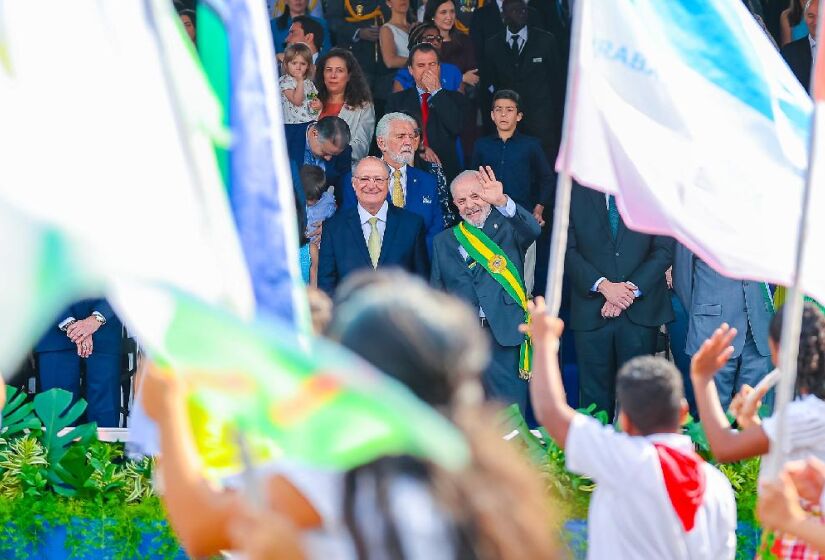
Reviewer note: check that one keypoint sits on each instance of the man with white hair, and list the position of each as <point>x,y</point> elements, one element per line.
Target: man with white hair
<point>481,260</point>
<point>397,136</point>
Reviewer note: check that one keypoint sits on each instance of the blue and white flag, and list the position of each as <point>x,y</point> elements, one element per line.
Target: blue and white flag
<point>261,183</point>
<point>686,111</point>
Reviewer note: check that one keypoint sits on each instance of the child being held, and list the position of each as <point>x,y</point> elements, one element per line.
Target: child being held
<point>320,202</point>
<point>804,416</point>
<point>655,497</point>
<point>299,97</point>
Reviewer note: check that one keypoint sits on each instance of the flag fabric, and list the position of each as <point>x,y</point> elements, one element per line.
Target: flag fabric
<point>108,163</point>
<point>239,59</point>
<point>325,407</point>
<point>685,111</point>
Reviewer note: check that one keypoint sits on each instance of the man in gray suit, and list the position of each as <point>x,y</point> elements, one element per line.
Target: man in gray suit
<point>712,299</point>
<point>481,201</point>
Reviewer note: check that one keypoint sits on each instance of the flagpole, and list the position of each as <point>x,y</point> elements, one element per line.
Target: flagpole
<point>564,182</point>
<point>794,303</point>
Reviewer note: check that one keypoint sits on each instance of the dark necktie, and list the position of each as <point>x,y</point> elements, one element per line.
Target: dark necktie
<point>425,116</point>
<point>514,45</point>
<point>613,216</point>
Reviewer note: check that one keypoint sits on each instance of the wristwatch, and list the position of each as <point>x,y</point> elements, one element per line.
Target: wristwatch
<point>66,323</point>
<point>99,317</point>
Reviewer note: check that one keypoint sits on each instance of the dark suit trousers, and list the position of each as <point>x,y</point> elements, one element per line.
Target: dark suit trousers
<point>501,381</point>
<point>602,352</point>
<point>102,390</point>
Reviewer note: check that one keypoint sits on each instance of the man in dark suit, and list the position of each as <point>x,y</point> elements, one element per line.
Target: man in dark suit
<point>372,234</point>
<point>619,296</point>
<point>526,60</point>
<point>89,331</point>
<point>487,21</point>
<point>512,228</point>
<point>439,111</point>
<point>799,54</point>
<point>326,144</point>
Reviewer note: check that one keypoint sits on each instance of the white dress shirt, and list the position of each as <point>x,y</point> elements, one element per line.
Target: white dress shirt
<point>365,216</point>
<point>812,41</point>
<point>637,292</point>
<point>522,38</point>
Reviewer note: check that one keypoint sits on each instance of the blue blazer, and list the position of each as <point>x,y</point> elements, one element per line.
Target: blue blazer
<point>711,299</point>
<point>422,199</point>
<point>338,170</point>
<point>344,250</point>
<point>107,339</point>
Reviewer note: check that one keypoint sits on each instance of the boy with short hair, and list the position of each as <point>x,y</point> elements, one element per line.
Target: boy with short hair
<point>655,497</point>
<point>520,163</point>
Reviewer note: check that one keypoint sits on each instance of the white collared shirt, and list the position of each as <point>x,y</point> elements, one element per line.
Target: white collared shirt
<point>365,216</point>
<point>812,41</point>
<point>522,38</point>
<point>403,170</point>
<point>630,514</point>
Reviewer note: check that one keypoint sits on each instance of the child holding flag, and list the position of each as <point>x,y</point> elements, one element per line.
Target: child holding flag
<point>805,416</point>
<point>655,497</point>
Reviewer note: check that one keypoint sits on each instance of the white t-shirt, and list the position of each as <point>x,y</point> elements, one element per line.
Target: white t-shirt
<point>804,429</point>
<point>422,525</point>
<point>631,516</point>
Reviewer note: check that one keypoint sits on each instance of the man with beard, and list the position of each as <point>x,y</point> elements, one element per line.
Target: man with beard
<point>481,260</point>
<point>397,136</point>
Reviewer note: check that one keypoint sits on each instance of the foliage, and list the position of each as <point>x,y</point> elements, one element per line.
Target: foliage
<point>72,480</point>
<point>571,493</point>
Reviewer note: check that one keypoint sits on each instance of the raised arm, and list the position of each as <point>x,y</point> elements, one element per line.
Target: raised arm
<point>726,444</point>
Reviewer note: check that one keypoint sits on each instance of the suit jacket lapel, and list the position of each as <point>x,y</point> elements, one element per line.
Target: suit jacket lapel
<point>455,253</point>
<point>355,227</point>
<point>600,208</point>
<point>389,232</point>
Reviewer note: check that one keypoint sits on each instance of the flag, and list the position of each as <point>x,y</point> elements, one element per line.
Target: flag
<point>325,407</point>
<point>237,53</point>
<point>686,112</point>
<point>108,164</point>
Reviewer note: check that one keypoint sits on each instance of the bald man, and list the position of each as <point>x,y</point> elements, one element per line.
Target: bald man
<point>485,279</point>
<point>372,234</point>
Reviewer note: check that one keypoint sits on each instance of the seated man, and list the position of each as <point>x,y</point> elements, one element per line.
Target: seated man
<point>324,143</point>
<point>90,331</point>
<point>373,234</point>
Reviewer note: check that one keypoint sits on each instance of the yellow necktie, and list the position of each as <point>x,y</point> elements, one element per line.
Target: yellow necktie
<point>397,191</point>
<point>374,242</point>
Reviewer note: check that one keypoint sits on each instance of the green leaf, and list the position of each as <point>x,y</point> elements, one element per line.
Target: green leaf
<point>18,415</point>
<point>56,411</point>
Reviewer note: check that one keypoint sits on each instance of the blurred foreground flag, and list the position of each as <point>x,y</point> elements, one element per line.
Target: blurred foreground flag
<point>235,43</point>
<point>108,169</point>
<point>687,113</point>
<point>325,407</point>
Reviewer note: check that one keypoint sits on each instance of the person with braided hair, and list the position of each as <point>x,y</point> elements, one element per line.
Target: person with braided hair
<point>804,416</point>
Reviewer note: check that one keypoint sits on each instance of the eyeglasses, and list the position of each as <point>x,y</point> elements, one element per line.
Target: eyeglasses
<point>375,180</point>
<point>432,38</point>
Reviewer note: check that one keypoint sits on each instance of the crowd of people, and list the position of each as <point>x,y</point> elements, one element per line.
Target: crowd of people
<point>421,141</point>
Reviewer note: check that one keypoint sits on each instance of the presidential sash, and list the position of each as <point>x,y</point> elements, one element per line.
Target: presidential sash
<point>489,255</point>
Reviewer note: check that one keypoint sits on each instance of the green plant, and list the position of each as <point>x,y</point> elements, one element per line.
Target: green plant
<point>51,476</point>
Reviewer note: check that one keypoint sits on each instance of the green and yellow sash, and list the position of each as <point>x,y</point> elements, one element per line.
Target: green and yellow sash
<point>488,254</point>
